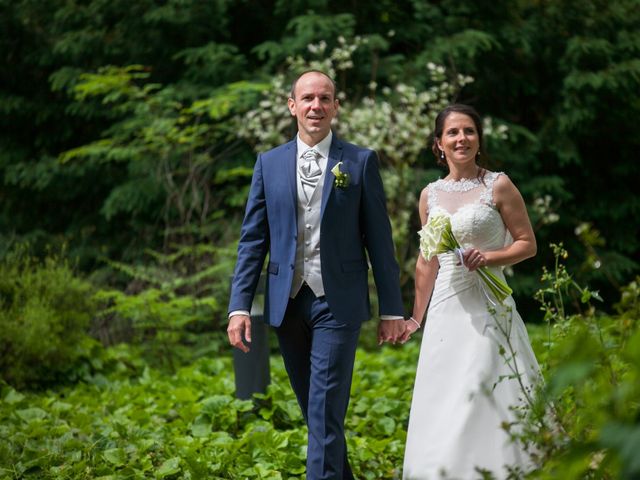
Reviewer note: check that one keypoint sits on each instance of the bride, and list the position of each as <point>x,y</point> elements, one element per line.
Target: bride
<point>476,366</point>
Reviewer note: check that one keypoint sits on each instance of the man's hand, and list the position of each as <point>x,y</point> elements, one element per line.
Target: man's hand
<point>239,325</point>
<point>390,331</point>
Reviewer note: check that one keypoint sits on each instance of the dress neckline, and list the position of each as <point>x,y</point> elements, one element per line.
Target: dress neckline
<point>461,185</point>
<point>462,179</point>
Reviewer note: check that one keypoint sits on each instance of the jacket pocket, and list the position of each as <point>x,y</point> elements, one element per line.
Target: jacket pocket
<point>354,266</point>
<point>273,268</point>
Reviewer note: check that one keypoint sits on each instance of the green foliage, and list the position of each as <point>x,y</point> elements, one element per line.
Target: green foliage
<point>45,311</point>
<point>48,45</point>
<point>171,151</point>
<point>303,30</point>
<point>586,419</point>
<point>558,287</point>
<point>378,414</point>
<point>143,423</point>
<point>170,303</point>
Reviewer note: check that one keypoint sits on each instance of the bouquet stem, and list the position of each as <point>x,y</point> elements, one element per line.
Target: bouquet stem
<point>498,288</point>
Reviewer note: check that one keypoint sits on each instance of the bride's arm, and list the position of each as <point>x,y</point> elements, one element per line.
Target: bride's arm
<point>513,210</point>
<point>426,273</point>
<point>425,278</point>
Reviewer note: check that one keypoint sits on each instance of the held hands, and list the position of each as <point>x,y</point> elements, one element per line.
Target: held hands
<point>239,325</point>
<point>411,326</point>
<point>390,331</point>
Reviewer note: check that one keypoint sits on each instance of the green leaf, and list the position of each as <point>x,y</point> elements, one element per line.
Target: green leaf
<point>169,467</point>
<point>201,426</point>
<point>115,456</point>
<point>385,425</point>
<point>13,397</point>
<point>31,414</point>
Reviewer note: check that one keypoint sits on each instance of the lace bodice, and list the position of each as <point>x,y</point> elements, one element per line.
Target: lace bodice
<point>475,221</point>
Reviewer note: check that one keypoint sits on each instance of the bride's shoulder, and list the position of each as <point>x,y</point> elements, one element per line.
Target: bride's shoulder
<point>496,178</point>
<point>429,189</point>
<point>434,185</point>
<point>429,186</point>
<point>490,174</point>
<point>504,190</point>
<point>428,197</point>
<point>424,194</point>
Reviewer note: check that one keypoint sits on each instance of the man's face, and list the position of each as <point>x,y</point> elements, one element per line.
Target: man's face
<point>314,107</point>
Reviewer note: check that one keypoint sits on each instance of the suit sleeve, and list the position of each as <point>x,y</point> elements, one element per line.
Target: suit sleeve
<point>253,245</point>
<point>378,240</point>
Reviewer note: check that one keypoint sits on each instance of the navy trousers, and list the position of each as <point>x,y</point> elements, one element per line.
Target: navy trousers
<point>318,354</point>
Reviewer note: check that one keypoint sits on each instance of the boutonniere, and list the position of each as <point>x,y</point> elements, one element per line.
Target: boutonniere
<point>342,178</point>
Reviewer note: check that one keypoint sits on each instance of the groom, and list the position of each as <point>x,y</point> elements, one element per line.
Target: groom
<point>315,205</point>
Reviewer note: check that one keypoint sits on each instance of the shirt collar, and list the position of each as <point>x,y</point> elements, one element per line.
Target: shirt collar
<point>323,146</point>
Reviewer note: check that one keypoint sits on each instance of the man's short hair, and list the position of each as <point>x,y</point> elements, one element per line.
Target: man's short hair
<point>292,94</point>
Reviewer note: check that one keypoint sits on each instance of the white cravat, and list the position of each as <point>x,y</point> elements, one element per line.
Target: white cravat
<point>310,171</point>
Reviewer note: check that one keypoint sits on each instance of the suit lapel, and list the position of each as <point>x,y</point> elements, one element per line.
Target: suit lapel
<point>335,154</point>
<point>292,179</point>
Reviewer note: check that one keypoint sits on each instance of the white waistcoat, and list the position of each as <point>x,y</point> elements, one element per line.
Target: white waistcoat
<point>307,268</point>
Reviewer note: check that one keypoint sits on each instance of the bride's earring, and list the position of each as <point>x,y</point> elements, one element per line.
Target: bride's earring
<point>442,154</point>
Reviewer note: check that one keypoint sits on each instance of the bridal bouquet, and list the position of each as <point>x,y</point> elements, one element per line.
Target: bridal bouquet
<point>436,237</point>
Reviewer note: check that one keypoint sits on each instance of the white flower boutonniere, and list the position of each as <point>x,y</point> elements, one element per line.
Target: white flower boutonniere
<point>342,178</point>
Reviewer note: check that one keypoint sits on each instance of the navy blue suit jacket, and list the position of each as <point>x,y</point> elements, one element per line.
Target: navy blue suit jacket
<point>353,220</point>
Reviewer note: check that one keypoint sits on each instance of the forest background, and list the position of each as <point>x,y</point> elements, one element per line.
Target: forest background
<point>129,132</point>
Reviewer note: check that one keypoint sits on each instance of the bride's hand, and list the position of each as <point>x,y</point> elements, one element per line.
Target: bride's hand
<point>474,259</point>
<point>410,327</point>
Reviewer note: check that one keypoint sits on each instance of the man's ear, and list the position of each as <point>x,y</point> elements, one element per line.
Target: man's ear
<point>291,103</point>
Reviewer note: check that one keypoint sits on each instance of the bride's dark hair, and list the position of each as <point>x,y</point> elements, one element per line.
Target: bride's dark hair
<point>439,128</point>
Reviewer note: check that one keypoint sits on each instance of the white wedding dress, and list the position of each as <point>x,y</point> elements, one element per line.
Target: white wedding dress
<point>465,389</point>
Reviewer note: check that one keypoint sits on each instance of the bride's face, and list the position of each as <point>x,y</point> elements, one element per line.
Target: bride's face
<point>459,141</point>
